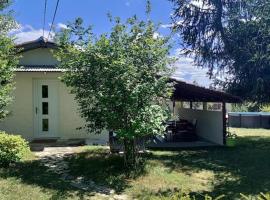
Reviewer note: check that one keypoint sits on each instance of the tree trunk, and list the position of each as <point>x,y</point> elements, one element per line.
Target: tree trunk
<point>130,153</point>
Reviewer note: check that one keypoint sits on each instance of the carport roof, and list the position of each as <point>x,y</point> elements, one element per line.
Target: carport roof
<point>189,92</point>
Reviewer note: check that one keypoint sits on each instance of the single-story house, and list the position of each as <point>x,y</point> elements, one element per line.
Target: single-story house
<point>43,108</point>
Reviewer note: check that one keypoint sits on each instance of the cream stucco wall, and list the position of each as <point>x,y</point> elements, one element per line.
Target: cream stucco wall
<point>21,119</point>
<point>209,123</point>
<point>22,114</point>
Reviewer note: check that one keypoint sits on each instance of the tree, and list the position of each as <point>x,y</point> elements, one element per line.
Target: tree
<point>230,38</point>
<point>8,59</point>
<point>120,79</point>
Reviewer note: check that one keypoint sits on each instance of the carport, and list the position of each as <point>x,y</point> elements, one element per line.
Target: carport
<point>210,124</point>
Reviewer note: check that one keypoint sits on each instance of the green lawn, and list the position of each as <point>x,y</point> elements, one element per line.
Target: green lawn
<point>244,168</point>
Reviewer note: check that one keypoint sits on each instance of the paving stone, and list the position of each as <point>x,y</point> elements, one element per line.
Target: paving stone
<point>112,191</point>
<point>120,197</point>
<point>54,159</point>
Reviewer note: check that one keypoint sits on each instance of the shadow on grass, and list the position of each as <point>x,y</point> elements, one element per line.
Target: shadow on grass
<point>244,168</point>
<point>97,165</point>
<point>104,168</point>
<point>32,173</point>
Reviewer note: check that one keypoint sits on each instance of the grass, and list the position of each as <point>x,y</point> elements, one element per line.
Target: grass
<point>29,180</point>
<point>247,133</point>
<point>244,168</point>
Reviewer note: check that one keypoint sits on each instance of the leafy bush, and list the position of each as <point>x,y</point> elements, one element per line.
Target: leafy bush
<point>265,108</point>
<point>12,148</point>
<point>246,107</point>
<point>129,82</point>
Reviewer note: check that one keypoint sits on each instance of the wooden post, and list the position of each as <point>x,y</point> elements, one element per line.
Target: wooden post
<point>173,107</point>
<point>204,105</point>
<point>181,104</point>
<point>224,122</point>
<point>190,104</point>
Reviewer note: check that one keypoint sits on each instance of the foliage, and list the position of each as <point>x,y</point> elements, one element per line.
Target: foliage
<point>246,107</point>
<point>12,148</point>
<point>184,196</point>
<point>261,196</point>
<point>231,39</point>
<point>265,108</point>
<point>239,108</point>
<point>120,79</point>
<point>8,59</point>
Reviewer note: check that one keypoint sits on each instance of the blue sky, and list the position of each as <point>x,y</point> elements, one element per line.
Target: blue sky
<point>29,14</point>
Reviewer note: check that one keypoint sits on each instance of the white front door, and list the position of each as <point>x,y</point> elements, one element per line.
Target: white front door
<point>45,108</point>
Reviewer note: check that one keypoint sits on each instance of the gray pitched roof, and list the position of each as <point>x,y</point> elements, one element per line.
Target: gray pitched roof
<point>39,43</point>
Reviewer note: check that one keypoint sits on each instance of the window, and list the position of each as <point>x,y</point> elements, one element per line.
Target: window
<point>45,124</point>
<point>44,91</point>
<point>197,106</point>
<point>214,106</point>
<point>45,108</point>
<point>186,104</point>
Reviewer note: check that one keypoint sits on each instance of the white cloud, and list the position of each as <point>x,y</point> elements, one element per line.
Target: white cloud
<point>186,70</point>
<point>157,35</point>
<point>20,28</point>
<point>27,33</point>
<point>166,25</point>
<point>61,26</point>
<point>171,25</point>
<point>202,4</point>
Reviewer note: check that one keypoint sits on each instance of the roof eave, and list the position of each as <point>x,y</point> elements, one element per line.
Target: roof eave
<point>201,94</point>
<point>35,44</point>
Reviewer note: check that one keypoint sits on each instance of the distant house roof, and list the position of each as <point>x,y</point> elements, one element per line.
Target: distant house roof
<point>183,91</point>
<point>39,43</point>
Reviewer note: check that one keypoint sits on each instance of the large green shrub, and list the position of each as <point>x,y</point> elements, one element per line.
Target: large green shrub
<point>126,92</point>
<point>12,148</point>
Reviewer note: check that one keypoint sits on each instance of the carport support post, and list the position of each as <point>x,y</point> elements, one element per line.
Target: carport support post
<point>173,107</point>
<point>224,122</point>
<point>204,105</point>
